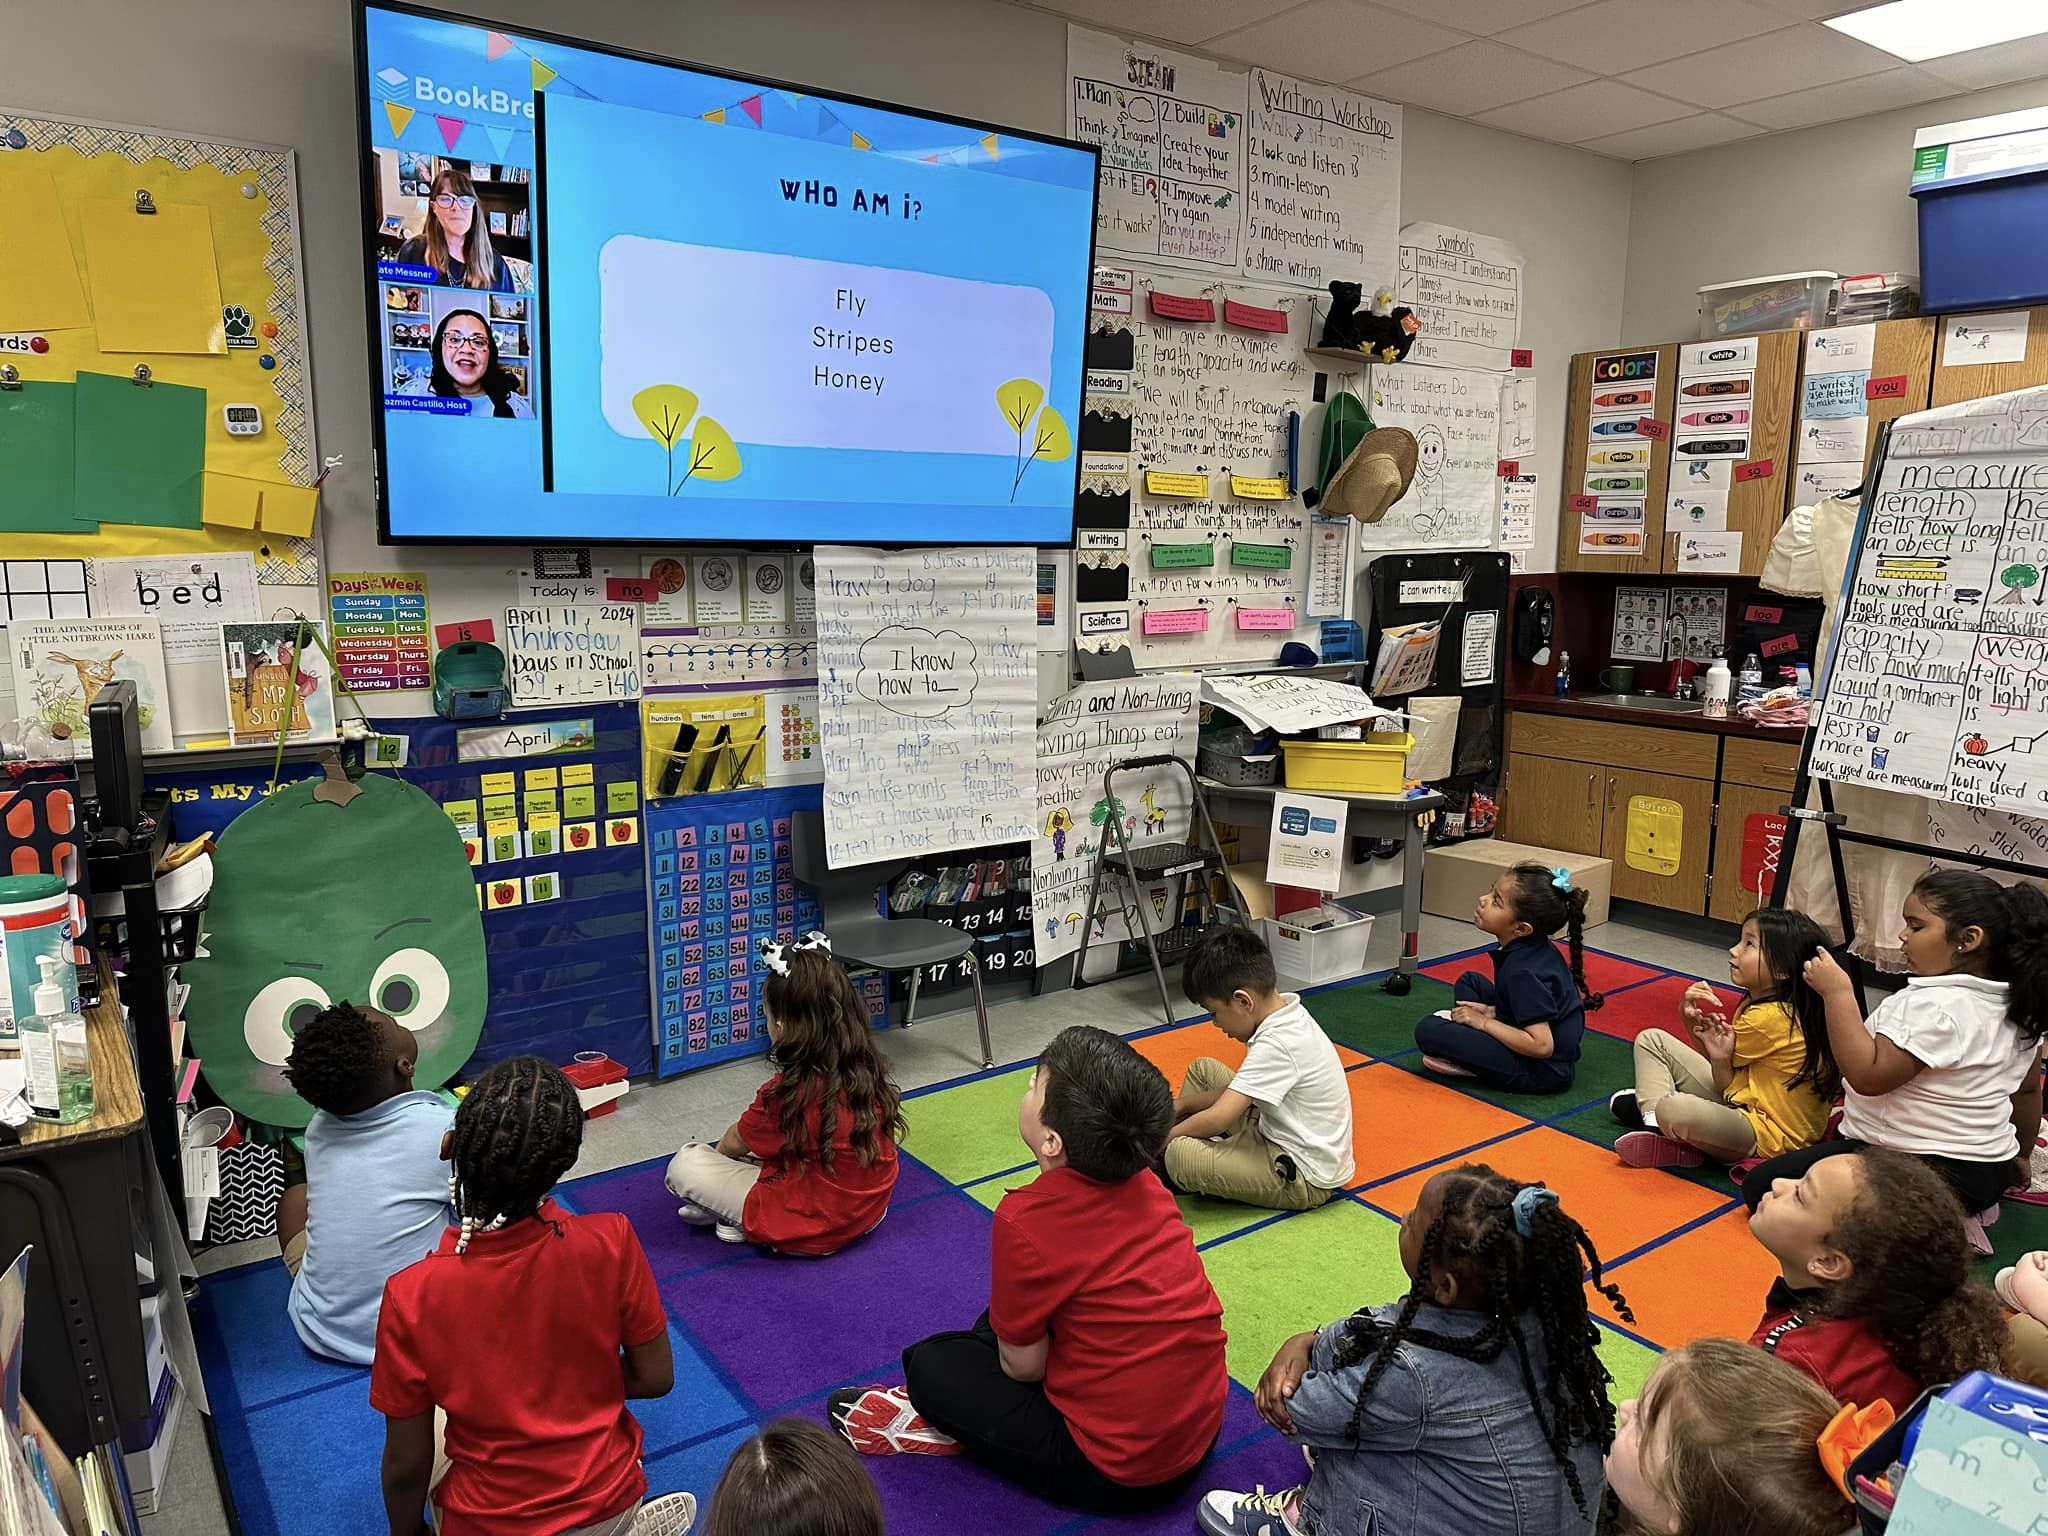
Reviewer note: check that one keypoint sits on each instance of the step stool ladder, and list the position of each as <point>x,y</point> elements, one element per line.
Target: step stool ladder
<point>1134,867</point>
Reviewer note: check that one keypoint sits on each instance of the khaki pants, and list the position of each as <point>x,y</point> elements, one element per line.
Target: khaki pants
<point>720,1184</point>
<point>1242,1165</point>
<point>1675,1083</point>
<point>2029,1347</point>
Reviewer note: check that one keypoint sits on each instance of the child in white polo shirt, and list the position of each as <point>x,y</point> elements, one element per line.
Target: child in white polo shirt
<point>1277,1132</point>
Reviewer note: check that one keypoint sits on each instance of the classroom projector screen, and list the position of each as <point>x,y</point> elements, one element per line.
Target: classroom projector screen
<point>621,300</point>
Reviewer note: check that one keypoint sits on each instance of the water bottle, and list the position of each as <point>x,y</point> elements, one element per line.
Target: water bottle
<point>1564,674</point>
<point>1752,679</point>
<point>1717,689</point>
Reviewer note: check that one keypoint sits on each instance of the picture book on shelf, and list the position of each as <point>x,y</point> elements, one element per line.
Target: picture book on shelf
<point>259,681</point>
<point>60,666</point>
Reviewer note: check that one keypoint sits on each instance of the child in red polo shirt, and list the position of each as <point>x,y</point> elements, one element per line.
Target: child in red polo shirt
<point>811,1164</point>
<point>1876,1299</point>
<point>527,1330</point>
<point>1096,1376</point>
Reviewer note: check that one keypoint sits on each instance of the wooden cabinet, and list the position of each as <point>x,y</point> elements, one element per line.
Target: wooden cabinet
<point>1957,378</point>
<point>1553,803</point>
<point>1571,784</point>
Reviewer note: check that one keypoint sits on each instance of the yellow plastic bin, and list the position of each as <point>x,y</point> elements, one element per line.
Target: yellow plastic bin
<point>1377,765</point>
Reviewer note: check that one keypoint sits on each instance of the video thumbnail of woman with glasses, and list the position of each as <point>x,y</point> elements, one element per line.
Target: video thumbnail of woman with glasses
<point>464,367</point>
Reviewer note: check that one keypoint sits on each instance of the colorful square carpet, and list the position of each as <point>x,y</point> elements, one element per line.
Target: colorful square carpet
<point>756,1336</point>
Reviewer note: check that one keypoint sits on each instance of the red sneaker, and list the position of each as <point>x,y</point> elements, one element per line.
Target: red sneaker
<point>881,1421</point>
<point>1647,1149</point>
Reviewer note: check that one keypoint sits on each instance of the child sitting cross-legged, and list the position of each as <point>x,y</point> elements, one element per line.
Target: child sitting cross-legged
<point>1276,1132</point>
<point>1724,1441</point>
<point>810,1166</point>
<point>1096,1377</point>
<point>1476,1404</point>
<point>524,1333</point>
<point>1520,1028</point>
<point>376,1192</point>
<point>1761,1083</point>
<point>1876,1298</point>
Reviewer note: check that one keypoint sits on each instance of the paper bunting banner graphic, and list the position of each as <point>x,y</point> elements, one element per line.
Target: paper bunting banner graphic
<point>451,129</point>
<point>989,143</point>
<point>501,142</point>
<point>399,116</point>
<point>861,143</point>
<point>541,75</point>
<point>716,115</point>
<point>496,45</point>
<point>752,107</point>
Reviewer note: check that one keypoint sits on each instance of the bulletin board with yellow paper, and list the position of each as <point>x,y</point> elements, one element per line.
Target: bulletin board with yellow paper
<point>130,248</point>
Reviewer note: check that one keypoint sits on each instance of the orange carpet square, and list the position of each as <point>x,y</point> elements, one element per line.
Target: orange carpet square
<point>1709,1283</point>
<point>1620,1207</point>
<point>1171,1050</point>
<point>1399,1120</point>
<point>1653,1006</point>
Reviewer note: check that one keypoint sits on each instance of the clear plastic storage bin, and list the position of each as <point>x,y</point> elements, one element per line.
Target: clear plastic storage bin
<point>1788,301</point>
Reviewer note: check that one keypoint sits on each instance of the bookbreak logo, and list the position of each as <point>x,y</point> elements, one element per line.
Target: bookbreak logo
<point>395,84</point>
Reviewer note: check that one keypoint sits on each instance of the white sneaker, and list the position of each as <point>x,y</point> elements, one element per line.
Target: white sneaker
<point>697,1215</point>
<point>1227,1513</point>
<point>730,1232</point>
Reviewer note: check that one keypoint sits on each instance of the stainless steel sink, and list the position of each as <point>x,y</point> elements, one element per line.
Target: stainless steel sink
<point>1651,702</point>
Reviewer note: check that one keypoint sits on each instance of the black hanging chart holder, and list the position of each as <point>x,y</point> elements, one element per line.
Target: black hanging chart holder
<point>1459,590</point>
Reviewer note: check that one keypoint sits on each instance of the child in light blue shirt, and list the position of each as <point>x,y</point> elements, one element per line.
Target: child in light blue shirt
<point>376,1193</point>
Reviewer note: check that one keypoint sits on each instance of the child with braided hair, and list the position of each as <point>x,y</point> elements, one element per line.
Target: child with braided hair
<point>521,1336</point>
<point>1475,1404</point>
<point>1520,1028</point>
<point>811,1164</point>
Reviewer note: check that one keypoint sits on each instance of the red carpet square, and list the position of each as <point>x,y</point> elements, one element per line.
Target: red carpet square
<point>1651,1006</point>
<point>1708,1283</point>
<point>1604,973</point>
<point>1619,1207</point>
<point>1400,1120</point>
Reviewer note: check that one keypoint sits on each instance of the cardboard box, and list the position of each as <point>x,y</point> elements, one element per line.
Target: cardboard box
<point>1454,876</point>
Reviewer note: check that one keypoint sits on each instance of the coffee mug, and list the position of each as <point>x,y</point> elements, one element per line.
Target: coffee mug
<point>1618,679</point>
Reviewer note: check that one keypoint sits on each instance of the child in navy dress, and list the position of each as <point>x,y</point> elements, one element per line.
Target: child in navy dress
<point>1520,1028</point>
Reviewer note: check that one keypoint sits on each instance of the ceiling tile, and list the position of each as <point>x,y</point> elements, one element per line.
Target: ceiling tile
<point>1615,36</point>
<point>1485,17</point>
<point>1775,64</point>
<point>1179,21</point>
<point>1816,10</point>
<point>1845,99</point>
<point>1335,40</point>
<point>1673,138</point>
<point>1471,78</point>
<point>1584,111</point>
<point>2001,64</point>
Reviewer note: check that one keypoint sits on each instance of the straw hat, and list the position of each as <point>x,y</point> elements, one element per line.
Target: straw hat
<point>1373,478</point>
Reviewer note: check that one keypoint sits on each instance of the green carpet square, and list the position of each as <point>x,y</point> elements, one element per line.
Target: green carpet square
<point>1368,1018</point>
<point>969,1132</point>
<point>1207,1219</point>
<point>1300,1273</point>
<point>1605,1065</point>
<point>2020,1228</point>
<point>1628,1362</point>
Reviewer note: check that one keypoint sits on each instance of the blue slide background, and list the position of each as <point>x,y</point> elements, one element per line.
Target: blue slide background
<point>480,477</point>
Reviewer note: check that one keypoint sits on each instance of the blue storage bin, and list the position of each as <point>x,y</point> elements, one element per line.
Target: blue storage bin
<point>1982,191</point>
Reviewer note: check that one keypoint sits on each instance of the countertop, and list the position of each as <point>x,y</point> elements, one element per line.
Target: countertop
<point>1670,720</point>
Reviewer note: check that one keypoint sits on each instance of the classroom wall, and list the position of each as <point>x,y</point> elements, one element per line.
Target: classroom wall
<point>282,72</point>
<point>1830,199</point>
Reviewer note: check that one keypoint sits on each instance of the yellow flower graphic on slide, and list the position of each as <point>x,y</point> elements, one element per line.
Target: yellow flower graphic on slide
<point>1019,401</point>
<point>709,452</point>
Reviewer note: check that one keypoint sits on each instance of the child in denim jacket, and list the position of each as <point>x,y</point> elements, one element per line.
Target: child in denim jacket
<point>1476,1404</point>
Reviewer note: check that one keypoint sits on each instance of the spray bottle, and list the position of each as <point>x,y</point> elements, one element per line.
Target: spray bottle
<point>54,1053</point>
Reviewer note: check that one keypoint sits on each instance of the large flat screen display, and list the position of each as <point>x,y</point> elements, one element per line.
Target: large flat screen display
<point>617,299</point>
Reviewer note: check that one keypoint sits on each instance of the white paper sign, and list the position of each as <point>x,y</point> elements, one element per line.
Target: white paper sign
<point>1305,845</point>
<point>928,689</point>
<point>1466,289</point>
<point>1518,512</point>
<point>190,596</point>
<point>1998,337</point>
<point>720,596</point>
<point>564,644</point>
<point>671,577</point>
<point>1517,416</point>
<point>767,595</point>
<point>1083,733</point>
<point>1701,553</point>
<point>1481,639</point>
<point>1455,416</point>
<point>1324,184</point>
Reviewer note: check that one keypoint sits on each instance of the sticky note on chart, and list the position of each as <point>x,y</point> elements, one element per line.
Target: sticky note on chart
<point>1160,482</point>
<point>1265,618</point>
<point>1176,621</point>
<point>155,284</point>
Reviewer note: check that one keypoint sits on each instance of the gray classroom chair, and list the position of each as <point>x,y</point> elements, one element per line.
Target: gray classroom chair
<point>860,935</point>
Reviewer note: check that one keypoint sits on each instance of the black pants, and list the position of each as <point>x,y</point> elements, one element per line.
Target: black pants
<point>1977,1185</point>
<point>956,1381</point>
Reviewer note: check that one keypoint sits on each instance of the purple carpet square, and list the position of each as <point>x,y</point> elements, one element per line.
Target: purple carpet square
<point>787,1329</point>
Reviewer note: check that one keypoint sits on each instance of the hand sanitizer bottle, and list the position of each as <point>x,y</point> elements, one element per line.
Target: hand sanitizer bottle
<point>1564,674</point>
<point>54,1052</point>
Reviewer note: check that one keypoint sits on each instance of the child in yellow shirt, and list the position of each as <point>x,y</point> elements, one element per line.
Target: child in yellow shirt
<point>1760,1083</point>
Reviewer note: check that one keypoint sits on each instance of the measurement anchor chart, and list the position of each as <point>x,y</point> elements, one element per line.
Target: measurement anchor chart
<point>1938,682</point>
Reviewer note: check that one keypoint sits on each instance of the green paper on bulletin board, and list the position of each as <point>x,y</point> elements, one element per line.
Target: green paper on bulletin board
<point>155,282</point>
<point>42,291</point>
<point>140,450</point>
<point>37,488</point>
<point>621,796</point>
<point>579,802</point>
<point>1261,557</point>
<point>1172,557</point>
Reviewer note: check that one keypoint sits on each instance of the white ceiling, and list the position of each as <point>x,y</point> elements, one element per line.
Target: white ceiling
<point>1634,79</point>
